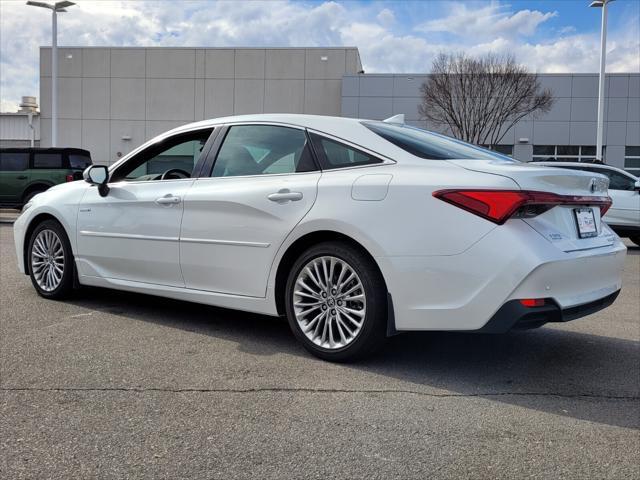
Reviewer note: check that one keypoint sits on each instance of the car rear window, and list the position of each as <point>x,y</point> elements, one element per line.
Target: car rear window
<point>432,146</point>
<point>47,160</point>
<point>78,161</point>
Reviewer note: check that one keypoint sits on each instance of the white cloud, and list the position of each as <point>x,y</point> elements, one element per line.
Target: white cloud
<point>386,17</point>
<point>385,45</point>
<point>489,21</point>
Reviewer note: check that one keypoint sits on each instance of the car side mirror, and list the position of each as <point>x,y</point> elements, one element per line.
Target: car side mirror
<point>636,187</point>
<point>98,175</point>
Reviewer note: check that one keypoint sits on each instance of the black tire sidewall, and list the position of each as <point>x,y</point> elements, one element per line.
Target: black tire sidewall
<point>30,195</point>
<point>66,285</point>
<point>374,328</point>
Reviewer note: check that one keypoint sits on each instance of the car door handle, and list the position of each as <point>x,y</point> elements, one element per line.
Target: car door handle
<point>285,195</point>
<point>21,177</point>
<point>168,200</point>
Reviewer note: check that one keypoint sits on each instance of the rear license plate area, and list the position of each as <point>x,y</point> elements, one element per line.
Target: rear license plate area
<point>585,222</point>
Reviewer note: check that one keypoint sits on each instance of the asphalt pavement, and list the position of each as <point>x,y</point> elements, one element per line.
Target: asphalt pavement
<point>119,385</point>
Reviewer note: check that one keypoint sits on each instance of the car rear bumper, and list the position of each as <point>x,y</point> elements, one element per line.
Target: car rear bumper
<point>464,292</point>
<point>515,316</point>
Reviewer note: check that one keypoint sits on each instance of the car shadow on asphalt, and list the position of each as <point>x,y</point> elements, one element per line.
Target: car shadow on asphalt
<point>583,376</point>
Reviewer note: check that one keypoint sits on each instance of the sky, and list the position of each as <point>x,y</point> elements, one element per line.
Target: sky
<point>393,36</point>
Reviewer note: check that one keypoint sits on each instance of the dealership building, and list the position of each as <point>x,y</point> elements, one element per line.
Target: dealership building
<point>110,100</point>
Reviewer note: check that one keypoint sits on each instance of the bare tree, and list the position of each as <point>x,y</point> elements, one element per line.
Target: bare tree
<point>479,99</point>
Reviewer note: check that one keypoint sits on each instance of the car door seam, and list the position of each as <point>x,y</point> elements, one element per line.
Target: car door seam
<point>315,199</point>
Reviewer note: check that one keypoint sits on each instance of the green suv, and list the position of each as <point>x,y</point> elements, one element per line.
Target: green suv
<point>25,172</point>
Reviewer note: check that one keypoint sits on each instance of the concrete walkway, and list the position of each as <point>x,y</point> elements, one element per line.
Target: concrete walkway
<point>8,215</point>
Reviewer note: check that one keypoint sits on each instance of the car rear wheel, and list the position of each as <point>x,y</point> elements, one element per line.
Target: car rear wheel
<point>50,260</point>
<point>336,302</point>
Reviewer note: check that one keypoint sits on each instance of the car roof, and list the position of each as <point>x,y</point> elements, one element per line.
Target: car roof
<point>350,130</point>
<point>304,120</point>
<point>45,150</point>
<point>601,166</point>
<point>327,124</point>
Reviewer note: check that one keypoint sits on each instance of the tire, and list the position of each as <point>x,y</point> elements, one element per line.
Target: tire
<point>635,239</point>
<point>32,194</point>
<point>331,322</point>
<point>49,244</point>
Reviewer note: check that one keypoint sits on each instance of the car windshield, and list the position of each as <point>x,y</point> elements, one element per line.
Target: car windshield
<point>432,146</point>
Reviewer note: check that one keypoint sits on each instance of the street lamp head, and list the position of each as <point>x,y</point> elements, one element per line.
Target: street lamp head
<point>57,7</point>
<point>41,4</point>
<point>61,5</point>
<point>599,3</point>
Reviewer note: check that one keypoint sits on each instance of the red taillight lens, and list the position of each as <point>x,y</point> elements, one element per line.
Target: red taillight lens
<point>605,206</point>
<point>69,178</point>
<point>533,302</point>
<point>499,205</point>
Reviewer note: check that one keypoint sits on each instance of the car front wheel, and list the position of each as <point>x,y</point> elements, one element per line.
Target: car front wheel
<point>336,302</point>
<point>50,260</point>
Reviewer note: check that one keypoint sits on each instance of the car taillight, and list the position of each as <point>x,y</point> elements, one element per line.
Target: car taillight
<point>533,302</point>
<point>500,205</point>
<point>70,178</point>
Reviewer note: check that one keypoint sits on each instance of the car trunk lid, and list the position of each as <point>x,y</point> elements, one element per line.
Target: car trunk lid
<point>540,178</point>
<point>559,225</point>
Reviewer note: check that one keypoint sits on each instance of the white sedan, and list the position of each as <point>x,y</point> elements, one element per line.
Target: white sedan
<point>624,190</point>
<point>352,229</point>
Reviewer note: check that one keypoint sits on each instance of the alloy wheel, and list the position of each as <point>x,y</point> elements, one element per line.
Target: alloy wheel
<point>47,260</point>
<point>329,302</point>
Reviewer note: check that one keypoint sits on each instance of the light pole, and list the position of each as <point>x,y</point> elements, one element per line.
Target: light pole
<point>58,7</point>
<point>603,59</point>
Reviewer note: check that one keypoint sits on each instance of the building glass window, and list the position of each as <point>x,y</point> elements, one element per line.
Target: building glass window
<point>565,153</point>
<point>632,160</point>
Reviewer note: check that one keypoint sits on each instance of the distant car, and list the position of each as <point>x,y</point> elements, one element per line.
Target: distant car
<point>352,229</point>
<point>624,189</point>
<point>25,172</point>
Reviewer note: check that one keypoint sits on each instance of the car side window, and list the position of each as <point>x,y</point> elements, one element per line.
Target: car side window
<point>14,161</point>
<point>170,159</point>
<point>263,150</point>
<point>332,154</point>
<point>47,160</point>
<point>617,181</point>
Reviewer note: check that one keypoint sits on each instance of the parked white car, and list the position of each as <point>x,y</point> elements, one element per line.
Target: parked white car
<point>624,189</point>
<point>353,229</point>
